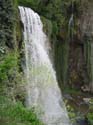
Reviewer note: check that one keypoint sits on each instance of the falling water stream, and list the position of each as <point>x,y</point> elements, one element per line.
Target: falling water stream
<point>43,92</point>
<point>71,23</point>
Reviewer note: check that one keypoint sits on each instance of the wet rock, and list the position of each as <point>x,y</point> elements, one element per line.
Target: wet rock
<point>84,121</point>
<point>85,88</point>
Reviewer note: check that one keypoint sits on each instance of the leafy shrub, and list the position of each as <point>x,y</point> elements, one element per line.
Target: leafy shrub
<point>90,113</point>
<point>15,113</point>
<point>9,63</point>
<point>10,76</point>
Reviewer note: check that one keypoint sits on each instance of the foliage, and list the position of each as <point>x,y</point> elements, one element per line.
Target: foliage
<point>29,3</point>
<point>90,117</point>
<point>11,78</point>
<point>71,113</point>
<point>8,64</point>
<point>75,115</point>
<point>7,31</point>
<point>15,113</point>
<point>47,26</point>
<point>90,113</point>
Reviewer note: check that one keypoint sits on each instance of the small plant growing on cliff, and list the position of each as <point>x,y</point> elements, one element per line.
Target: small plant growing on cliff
<point>8,63</point>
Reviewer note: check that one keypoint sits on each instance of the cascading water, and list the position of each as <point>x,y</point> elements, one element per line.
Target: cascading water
<point>71,23</point>
<point>43,92</point>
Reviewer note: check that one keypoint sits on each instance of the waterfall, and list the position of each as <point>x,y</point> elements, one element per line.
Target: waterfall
<point>43,92</point>
<point>71,22</point>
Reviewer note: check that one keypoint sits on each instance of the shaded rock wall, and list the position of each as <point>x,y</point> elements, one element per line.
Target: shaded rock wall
<point>7,23</point>
<point>86,29</point>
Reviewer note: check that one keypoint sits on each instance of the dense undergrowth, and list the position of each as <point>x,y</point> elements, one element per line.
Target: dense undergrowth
<point>14,113</point>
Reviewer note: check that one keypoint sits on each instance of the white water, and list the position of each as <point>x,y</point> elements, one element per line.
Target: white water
<point>43,92</point>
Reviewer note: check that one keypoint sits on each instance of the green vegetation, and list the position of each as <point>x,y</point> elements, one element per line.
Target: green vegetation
<point>90,116</point>
<point>7,64</point>
<point>75,114</point>
<point>16,114</point>
<point>29,3</point>
<point>90,113</point>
